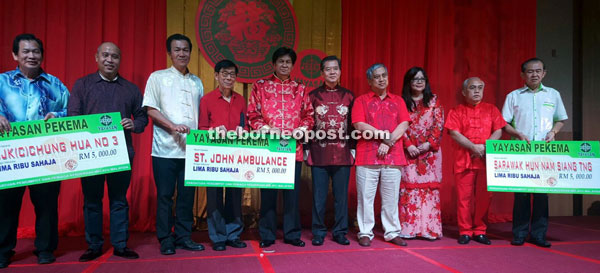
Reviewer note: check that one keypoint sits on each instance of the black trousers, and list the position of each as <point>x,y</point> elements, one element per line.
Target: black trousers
<point>169,175</point>
<point>45,201</point>
<point>267,224</point>
<point>93,193</point>
<point>224,219</point>
<point>340,175</point>
<point>523,213</point>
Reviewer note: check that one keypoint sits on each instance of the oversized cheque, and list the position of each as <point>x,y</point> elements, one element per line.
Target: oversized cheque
<point>244,162</point>
<point>36,152</point>
<point>570,167</point>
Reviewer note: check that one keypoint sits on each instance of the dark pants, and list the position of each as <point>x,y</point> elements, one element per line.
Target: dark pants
<point>168,175</point>
<point>224,220</point>
<point>45,201</point>
<point>267,224</point>
<point>522,213</point>
<point>93,193</point>
<point>340,176</point>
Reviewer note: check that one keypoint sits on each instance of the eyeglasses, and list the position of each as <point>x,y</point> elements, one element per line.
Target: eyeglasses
<point>230,74</point>
<point>419,80</point>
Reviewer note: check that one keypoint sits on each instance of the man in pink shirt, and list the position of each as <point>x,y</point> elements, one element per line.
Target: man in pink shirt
<point>378,161</point>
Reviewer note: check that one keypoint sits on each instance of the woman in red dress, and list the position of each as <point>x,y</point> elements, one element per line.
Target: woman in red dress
<point>420,210</point>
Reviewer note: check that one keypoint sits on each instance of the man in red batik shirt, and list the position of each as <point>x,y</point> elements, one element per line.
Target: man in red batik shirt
<point>224,110</point>
<point>470,125</point>
<point>379,159</point>
<point>280,105</point>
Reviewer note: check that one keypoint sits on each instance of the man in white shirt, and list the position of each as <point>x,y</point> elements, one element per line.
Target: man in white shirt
<point>533,112</point>
<point>172,98</point>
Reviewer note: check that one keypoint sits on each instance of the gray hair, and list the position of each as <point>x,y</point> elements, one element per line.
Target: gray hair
<point>373,68</point>
<point>466,82</point>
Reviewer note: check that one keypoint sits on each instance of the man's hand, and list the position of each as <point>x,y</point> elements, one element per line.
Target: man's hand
<point>383,150</point>
<point>478,150</point>
<point>127,124</point>
<point>49,116</point>
<point>300,132</point>
<point>521,136</point>
<point>4,124</point>
<point>424,147</point>
<point>550,136</point>
<point>413,151</point>
<point>180,128</point>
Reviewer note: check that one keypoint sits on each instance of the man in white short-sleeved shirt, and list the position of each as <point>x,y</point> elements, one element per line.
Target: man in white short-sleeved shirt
<point>534,112</point>
<point>172,100</point>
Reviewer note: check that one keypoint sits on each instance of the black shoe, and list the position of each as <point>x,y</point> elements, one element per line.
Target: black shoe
<point>126,253</point>
<point>482,239</point>
<point>317,241</point>
<point>90,254</point>
<point>341,239</point>
<point>237,243</point>
<point>266,243</point>
<point>294,242</point>
<point>190,245</point>
<point>464,239</point>
<point>45,257</point>
<point>167,247</point>
<point>517,241</point>
<point>219,247</point>
<point>540,242</point>
<point>4,263</point>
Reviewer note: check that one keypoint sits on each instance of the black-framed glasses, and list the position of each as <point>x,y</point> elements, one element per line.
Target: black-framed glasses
<point>419,80</point>
<point>228,74</point>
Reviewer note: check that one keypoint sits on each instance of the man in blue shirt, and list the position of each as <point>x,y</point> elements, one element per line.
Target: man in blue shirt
<point>29,93</point>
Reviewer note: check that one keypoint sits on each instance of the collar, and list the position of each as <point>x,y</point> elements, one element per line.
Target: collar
<point>107,80</point>
<point>388,94</point>
<point>277,79</point>
<point>473,106</point>
<point>527,89</point>
<point>18,74</point>
<point>218,92</point>
<point>327,88</point>
<point>174,70</point>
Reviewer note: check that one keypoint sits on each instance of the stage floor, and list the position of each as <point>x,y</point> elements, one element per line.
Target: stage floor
<point>575,248</point>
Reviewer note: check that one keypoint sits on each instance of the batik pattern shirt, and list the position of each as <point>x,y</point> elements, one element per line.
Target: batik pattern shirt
<point>22,99</point>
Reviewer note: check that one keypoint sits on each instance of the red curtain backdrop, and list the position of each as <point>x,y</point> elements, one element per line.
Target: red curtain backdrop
<point>452,40</point>
<point>71,31</point>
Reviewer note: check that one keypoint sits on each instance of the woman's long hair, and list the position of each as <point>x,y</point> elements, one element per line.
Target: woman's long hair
<point>406,90</point>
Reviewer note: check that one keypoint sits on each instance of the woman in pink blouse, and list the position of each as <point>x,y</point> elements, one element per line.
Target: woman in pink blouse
<point>420,211</point>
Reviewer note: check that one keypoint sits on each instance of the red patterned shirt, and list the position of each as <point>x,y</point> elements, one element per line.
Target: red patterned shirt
<point>477,123</point>
<point>332,114</point>
<point>281,104</point>
<point>383,114</point>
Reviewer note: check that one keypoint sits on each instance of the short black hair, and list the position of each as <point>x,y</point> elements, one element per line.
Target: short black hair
<point>26,37</point>
<point>535,59</point>
<point>282,51</point>
<point>225,64</point>
<point>178,37</point>
<point>330,58</point>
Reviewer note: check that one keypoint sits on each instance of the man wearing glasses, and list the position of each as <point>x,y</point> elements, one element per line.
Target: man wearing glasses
<point>224,110</point>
